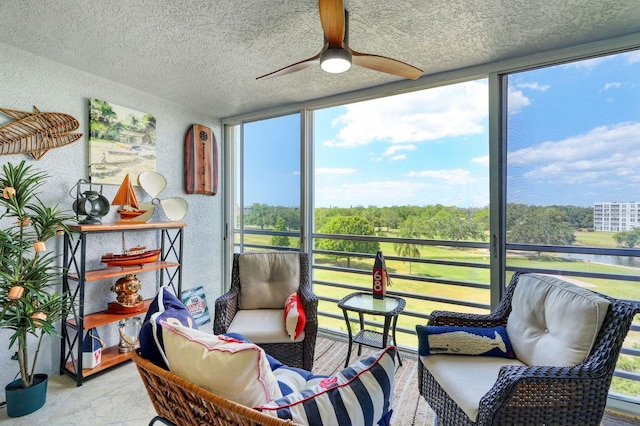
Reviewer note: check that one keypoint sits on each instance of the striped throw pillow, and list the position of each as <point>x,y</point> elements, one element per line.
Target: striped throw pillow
<point>361,394</point>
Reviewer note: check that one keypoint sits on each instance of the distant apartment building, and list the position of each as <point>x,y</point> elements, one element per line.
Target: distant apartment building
<point>614,216</point>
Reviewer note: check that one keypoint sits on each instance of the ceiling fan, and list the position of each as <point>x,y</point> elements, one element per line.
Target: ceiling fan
<point>336,56</point>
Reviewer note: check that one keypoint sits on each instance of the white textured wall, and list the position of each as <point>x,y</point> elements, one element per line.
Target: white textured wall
<point>27,80</point>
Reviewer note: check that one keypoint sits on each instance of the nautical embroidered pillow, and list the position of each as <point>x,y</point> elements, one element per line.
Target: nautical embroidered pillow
<point>433,340</point>
<point>165,307</point>
<point>361,394</point>
<point>294,317</point>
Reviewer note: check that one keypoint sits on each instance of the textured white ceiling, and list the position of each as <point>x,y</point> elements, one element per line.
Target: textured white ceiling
<point>206,54</point>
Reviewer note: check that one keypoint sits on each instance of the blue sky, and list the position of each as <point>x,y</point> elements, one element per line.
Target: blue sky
<point>574,133</point>
<point>573,138</point>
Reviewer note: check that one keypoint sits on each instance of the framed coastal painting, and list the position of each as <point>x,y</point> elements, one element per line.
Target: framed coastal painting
<point>121,141</point>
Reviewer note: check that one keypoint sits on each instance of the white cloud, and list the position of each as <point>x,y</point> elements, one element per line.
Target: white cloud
<point>598,155</point>
<point>441,112</point>
<point>632,57</point>
<point>588,64</point>
<point>380,193</point>
<point>450,176</point>
<point>484,160</point>
<point>402,193</point>
<point>335,171</point>
<point>614,85</point>
<point>534,86</point>
<point>516,101</point>
<point>398,157</point>
<point>395,148</point>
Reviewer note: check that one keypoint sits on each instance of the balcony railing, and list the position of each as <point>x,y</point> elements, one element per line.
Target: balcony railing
<point>455,276</point>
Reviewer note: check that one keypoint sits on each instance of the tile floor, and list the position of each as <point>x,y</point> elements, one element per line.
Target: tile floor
<point>116,398</point>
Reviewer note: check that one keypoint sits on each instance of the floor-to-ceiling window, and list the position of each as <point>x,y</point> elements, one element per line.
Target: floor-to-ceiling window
<point>409,174</point>
<point>573,188</point>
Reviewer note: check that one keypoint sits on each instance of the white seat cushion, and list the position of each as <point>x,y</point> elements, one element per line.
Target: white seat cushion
<point>262,326</point>
<point>553,322</point>
<point>267,279</point>
<point>466,378</point>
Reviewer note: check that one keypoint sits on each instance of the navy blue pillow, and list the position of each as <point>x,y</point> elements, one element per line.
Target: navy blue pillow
<point>165,307</point>
<point>360,394</point>
<point>444,339</point>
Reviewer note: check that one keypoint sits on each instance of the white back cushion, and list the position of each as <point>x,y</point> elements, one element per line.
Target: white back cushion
<point>267,279</point>
<point>553,322</point>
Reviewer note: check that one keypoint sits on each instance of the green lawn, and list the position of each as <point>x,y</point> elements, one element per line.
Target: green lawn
<point>595,239</point>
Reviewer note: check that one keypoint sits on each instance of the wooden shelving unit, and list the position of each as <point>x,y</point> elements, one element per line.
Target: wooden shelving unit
<point>77,276</point>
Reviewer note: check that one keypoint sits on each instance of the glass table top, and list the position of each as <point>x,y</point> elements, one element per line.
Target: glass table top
<point>366,302</point>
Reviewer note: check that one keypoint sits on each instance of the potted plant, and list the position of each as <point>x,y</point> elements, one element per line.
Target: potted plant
<point>29,274</point>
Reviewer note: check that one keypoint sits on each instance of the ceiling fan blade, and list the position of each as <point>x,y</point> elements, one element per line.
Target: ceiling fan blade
<point>384,64</point>
<point>293,67</point>
<point>333,21</point>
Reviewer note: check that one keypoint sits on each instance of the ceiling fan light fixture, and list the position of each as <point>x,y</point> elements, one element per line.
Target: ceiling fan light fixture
<point>335,60</point>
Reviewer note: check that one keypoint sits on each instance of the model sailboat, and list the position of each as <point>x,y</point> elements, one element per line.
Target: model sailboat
<point>126,197</point>
<point>137,255</point>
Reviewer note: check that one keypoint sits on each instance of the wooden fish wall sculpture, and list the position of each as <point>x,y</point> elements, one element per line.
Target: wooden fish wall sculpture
<point>36,132</point>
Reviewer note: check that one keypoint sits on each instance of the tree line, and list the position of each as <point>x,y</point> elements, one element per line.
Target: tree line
<point>545,225</point>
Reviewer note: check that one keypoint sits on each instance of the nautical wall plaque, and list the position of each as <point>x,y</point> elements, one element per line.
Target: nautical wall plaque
<point>36,132</point>
<point>200,161</point>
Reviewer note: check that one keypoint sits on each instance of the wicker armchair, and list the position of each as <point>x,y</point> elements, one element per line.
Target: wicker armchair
<point>535,395</point>
<point>183,403</point>
<point>295,354</point>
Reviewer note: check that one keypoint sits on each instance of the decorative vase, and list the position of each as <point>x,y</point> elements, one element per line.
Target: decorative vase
<point>22,401</point>
<point>129,334</point>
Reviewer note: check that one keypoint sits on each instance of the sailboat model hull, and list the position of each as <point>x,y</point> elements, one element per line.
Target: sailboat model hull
<point>130,214</point>
<point>148,256</point>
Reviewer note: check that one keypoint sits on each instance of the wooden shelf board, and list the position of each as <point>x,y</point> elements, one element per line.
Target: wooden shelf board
<point>98,319</point>
<point>112,227</point>
<point>118,271</point>
<point>110,358</point>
